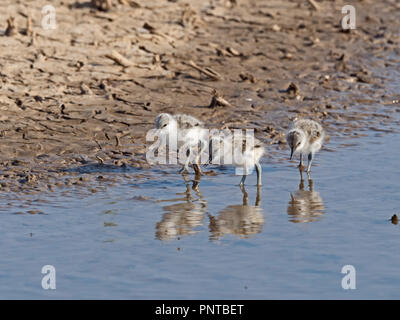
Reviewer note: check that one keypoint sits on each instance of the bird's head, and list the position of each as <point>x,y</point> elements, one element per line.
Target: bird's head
<point>295,140</point>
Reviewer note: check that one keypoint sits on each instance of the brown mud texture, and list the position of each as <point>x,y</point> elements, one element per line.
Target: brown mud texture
<point>86,92</point>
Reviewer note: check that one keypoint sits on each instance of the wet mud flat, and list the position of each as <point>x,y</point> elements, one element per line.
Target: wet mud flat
<point>78,100</point>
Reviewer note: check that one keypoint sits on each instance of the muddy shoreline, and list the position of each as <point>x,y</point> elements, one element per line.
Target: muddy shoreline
<point>86,93</point>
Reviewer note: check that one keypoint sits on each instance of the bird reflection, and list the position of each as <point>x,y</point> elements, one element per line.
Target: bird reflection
<point>305,205</point>
<point>243,220</point>
<point>182,218</point>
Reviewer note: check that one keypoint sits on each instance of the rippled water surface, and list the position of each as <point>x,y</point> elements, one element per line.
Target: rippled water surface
<point>162,238</point>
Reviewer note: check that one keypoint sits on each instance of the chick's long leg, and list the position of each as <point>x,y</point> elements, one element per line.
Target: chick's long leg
<point>259,174</point>
<point>310,159</point>
<point>258,197</point>
<point>300,166</point>
<point>242,181</point>
<point>196,165</point>
<point>185,167</point>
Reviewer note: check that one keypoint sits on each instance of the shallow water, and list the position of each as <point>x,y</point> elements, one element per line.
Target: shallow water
<point>161,239</point>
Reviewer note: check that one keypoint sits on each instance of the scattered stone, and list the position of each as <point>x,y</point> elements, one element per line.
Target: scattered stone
<point>293,89</point>
<point>118,58</point>
<point>35,212</point>
<point>276,28</point>
<point>103,5</point>
<point>218,100</point>
<point>11,28</point>
<point>85,89</point>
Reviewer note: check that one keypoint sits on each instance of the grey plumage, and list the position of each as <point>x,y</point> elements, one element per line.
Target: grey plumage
<point>305,137</point>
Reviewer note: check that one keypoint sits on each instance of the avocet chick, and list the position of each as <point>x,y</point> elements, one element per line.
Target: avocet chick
<point>305,137</point>
<point>244,153</point>
<point>186,131</point>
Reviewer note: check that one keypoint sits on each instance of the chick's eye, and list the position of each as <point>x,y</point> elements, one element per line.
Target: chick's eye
<point>164,126</point>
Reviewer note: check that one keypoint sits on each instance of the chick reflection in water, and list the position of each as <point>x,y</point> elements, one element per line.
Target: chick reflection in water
<point>305,205</point>
<point>243,220</point>
<point>182,218</point>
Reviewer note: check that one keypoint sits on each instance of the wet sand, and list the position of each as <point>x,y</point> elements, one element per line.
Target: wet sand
<point>83,96</point>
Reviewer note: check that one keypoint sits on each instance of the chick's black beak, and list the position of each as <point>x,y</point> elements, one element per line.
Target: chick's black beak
<point>291,153</point>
